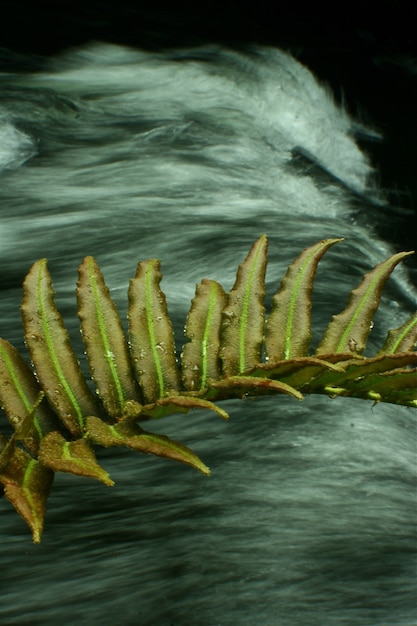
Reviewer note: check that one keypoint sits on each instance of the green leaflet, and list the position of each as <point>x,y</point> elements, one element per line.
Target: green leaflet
<point>104,339</point>
<point>151,336</point>
<point>243,316</point>
<point>239,386</point>
<point>296,372</point>
<point>348,331</point>
<point>405,379</point>
<point>288,327</point>
<point>19,393</point>
<point>56,365</point>
<point>76,457</point>
<point>27,483</point>
<point>200,357</point>
<point>401,339</point>
<point>357,369</point>
<point>398,386</point>
<point>221,360</point>
<point>181,404</point>
<point>132,436</point>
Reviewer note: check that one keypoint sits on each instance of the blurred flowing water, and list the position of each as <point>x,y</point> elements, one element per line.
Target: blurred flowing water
<point>309,515</point>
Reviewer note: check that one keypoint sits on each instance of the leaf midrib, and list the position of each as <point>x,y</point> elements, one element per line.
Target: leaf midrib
<point>104,336</point>
<point>51,349</point>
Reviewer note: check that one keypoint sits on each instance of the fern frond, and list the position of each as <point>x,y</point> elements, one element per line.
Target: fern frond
<point>57,420</point>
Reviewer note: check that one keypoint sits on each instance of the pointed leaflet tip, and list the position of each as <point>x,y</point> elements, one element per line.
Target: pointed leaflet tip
<point>75,457</point>
<point>349,330</point>
<point>288,327</point>
<point>27,483</point>
<point>297,372</point>
<point>402,339</point>
<point>132,436</point>
<point>243,316</point>
<point>238,386</point>
<point>181,404</point>
<point>104,339</point>
<point>56,365</point>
